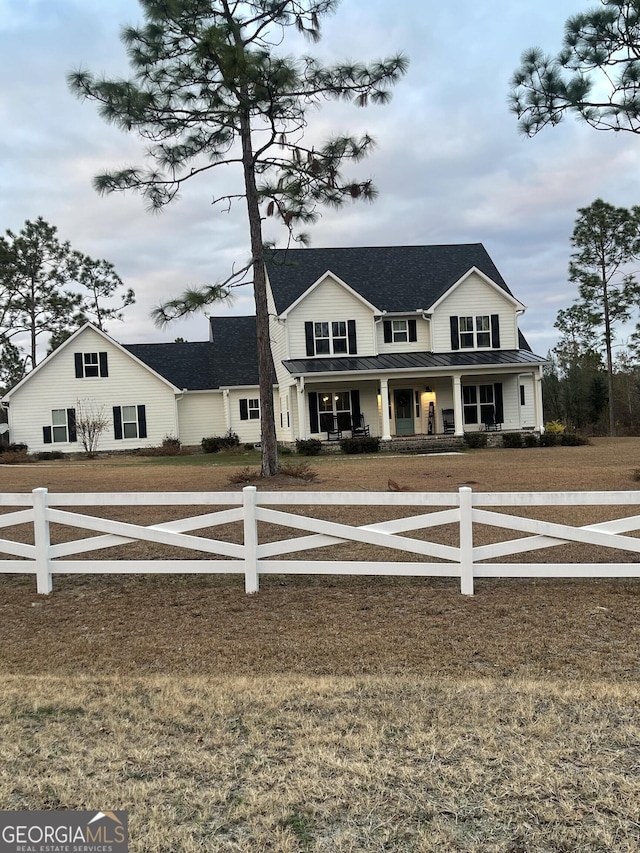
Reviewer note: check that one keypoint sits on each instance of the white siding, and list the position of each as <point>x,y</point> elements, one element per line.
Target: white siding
<point>471,298</point>
<point>55,386</point>
<point>201,414</point>
<point>422,344</point>
<point>278,334</point>
<point>249,430</point>
<point>328,302</point>
<point>528,411</point>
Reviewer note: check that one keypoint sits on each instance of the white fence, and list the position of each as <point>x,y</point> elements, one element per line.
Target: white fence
<point>253,558</point>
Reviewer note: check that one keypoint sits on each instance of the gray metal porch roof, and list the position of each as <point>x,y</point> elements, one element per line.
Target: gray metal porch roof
<point>414,361</point>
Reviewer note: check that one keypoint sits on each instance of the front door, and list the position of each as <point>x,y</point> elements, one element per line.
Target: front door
<point>403,405</point>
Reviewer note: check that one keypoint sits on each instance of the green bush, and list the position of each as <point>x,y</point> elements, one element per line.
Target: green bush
<point>549,439</point>
<point>530,439</point>
<point>365,444</point>
<point>49,454</point>
<point>512,440</point>
<point>572,439</point>
<point>475,439</point>
<point>308,446</point>
<point>216,443</point>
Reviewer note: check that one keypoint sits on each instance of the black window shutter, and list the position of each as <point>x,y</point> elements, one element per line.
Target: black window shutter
<point>308,336</point>
<point>455,338</point>
<point>351,335</point>
<point>117,422</point>
<point>142,422</point>
<point>522,400</point>
<point>495,331</point>
<point>314,426</point>
<point>497,399</point>
<point>386,325</point>
<point>104,370</point>
<point>77,357</point>
<point>47,435</point>
<point>71,424</point>
<point>413,331</point>
<point>244,410</point>
<point>355,407</point>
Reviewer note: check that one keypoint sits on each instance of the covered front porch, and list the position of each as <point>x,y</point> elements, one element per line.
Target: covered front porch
<point>428,406</point>
<point>409,394</point>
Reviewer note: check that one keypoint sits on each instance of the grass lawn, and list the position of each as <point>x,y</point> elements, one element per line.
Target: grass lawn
<point>331,714</point>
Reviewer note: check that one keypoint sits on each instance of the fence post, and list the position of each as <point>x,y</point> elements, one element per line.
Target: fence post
<point>42,541</point>
<point>466,541</point>
<point>251,579</point>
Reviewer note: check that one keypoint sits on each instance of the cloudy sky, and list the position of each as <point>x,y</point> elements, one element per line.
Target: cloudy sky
<point>450,164</point>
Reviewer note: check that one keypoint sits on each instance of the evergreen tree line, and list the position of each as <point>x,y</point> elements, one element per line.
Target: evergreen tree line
<point>592,382</point>
<point>47,291</point>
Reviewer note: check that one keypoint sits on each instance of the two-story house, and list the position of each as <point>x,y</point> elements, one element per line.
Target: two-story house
<point>386,340</point>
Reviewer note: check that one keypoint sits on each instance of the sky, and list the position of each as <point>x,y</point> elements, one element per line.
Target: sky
<point>450,164</point>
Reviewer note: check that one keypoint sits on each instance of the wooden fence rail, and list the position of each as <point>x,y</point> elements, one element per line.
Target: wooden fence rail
<point>254,558</point>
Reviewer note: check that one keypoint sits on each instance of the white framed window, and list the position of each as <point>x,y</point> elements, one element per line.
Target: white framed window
<point>330,338</point>
<point>399,331</point>
<point>478,404</point>
<point>250,409</point>
<point>59,425</point>
<point>129,422</point>
<point>62,428</point>
<point>334,408</point>
<point>90,365</point>
<point>475,332</point>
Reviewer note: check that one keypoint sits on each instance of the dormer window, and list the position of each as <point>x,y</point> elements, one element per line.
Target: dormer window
<point>475,332</point>
<point>400,331</point>
<point>331,337</point>
<point>481,331</point>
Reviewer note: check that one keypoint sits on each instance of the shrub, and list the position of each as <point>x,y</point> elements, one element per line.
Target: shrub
<point>216,443</point>
<point>16,457</point>
<point>49,454</point>
<point>14,448</point>
<point>474,440</point>
<point>365,444</point>
<point>554,427</point>
<point>248,446</point>
<point>530,439</point>
<point>512,440</point>
<point>171,444</point>
<point>308,446</point>
<point>170,447</point>
<point>549,439</point>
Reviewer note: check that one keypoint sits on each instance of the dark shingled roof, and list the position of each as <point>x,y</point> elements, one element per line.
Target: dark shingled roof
<point>393,278</point>
<point>413,361</point>
<point>230,359</point>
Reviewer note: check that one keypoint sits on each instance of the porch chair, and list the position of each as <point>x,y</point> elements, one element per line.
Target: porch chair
<point>448,421</point>
<point>335,432</point>
<point>490,423</point>
<point>360,429</point>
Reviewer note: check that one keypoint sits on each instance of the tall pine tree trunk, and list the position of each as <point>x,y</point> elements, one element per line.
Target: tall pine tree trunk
<point>267,419</point>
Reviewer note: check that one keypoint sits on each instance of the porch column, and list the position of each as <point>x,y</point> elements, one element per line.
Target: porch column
<point>302,411</point>
<point>227,409</point>
<point>384,402</point>
<point>537,400</point>
<point>457,405</point>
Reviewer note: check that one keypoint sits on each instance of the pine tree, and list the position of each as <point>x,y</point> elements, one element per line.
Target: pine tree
<point>211,89</point>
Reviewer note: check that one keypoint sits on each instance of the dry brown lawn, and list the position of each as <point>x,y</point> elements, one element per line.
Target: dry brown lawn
<point>325,713</point>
